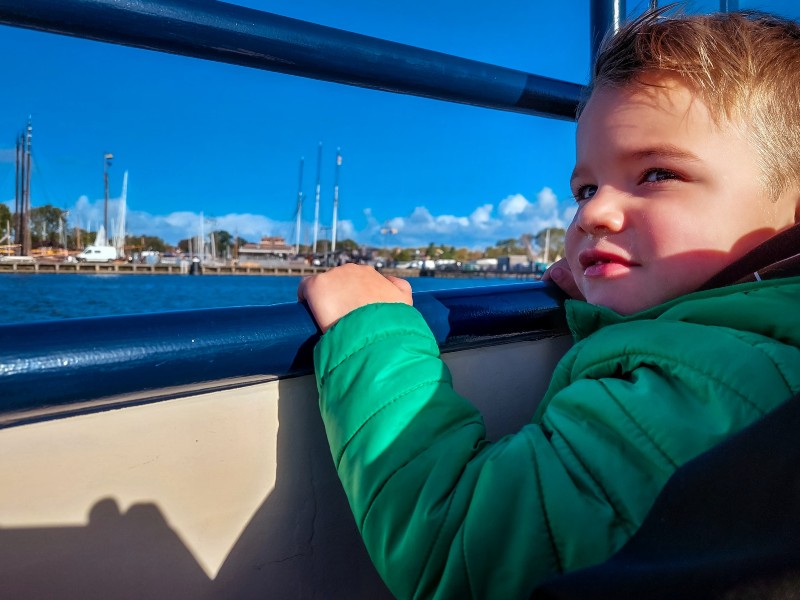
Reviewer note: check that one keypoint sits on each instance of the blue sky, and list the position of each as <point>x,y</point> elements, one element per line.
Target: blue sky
<point>202,137</point>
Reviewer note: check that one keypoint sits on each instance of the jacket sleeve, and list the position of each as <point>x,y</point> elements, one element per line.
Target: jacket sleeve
<point>443,513</point>
<point>446,514</point>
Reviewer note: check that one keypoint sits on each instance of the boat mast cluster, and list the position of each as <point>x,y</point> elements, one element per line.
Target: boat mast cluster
<point>22,191</point>
<point>318,194</point>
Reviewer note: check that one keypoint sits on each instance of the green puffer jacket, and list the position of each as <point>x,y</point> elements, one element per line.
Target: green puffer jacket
<point>446,514</point>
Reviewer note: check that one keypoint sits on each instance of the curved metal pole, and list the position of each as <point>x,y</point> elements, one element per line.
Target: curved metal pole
<point>606,15</point>
<point>47,364</point>
<point>233,34</point>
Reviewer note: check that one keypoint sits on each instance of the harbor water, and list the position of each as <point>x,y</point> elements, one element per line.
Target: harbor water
<point>39,297</point>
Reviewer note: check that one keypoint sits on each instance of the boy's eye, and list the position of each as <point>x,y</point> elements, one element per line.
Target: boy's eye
<point>585,192</point>
<point>655,175</point>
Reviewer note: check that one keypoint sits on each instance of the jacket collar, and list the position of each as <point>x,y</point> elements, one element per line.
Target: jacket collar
<point>584,319</point>
<point>778,257</point>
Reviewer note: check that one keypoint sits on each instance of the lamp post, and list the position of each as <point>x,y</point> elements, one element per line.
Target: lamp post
<point>387,231</point>
<point>106,164</point>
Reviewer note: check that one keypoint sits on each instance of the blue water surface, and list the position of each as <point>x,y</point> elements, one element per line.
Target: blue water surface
<point>38,297</point>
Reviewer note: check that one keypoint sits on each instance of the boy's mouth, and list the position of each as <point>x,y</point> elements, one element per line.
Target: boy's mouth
<point>596,263</point>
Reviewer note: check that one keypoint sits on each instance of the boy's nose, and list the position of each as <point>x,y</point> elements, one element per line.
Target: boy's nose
<point>602,213</point>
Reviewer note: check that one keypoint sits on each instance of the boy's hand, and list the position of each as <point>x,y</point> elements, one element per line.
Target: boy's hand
<point>560,274</point>
<point>333,294</point>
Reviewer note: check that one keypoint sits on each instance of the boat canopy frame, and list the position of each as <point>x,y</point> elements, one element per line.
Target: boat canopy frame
<point>247,37</point>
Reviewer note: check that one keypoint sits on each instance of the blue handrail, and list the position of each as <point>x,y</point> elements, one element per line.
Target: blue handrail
<point>51,364</point>
<point>243,36</point>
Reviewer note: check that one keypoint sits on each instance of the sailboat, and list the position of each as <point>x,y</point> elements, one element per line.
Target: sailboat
<point>119,234</point>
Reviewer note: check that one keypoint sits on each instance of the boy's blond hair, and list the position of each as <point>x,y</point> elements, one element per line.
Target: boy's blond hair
<point>745,66</point>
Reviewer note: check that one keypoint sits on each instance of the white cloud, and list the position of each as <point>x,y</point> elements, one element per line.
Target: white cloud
<point>175,226</point>
<point>547,200</point>
<point>482,216</point>
<point>514,215</point>
<point>479,227</point>
<point>514,205</point>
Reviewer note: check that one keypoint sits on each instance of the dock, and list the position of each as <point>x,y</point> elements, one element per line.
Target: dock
<point>157,269</point>
<point>288,269</point>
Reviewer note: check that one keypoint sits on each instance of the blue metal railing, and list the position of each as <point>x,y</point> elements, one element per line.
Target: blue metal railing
<point>603,17</point>
<point>47,366</point>
<point>234,34</point>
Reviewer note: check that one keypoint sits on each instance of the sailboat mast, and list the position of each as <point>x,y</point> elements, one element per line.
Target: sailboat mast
<point>106,163</point>
<point>18,195</point>
<point>299,208</point>
<point>119,235</point>
<point>62,232</point>
<point>316,203</point>
<point>26,211</point>
<point>336,198</point>
<point>201,242</point>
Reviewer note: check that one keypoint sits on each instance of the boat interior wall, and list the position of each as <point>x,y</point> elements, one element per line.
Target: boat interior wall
<point>83,365</point>
<point>223,494</point>
<point>234,34</point>
<point>230,494</point>
<point>505,382</point>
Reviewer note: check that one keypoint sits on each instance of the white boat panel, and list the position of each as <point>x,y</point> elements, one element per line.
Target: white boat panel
<point>224,494</point>
<point>505,382</point>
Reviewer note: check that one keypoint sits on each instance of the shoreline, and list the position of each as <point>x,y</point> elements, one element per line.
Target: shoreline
<point>295,270</point>
<point>158,269</point>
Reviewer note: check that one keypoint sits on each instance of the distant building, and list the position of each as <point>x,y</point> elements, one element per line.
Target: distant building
<point>485,264</point>
<point>514,262</point>
<point>269,250</point>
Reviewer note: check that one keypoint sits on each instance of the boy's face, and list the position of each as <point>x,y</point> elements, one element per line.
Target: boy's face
<point>666,197</point>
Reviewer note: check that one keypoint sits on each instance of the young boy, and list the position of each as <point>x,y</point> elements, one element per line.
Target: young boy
<point>687,181</point>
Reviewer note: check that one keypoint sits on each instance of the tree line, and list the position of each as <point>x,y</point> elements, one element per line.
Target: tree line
<point>48,226</point>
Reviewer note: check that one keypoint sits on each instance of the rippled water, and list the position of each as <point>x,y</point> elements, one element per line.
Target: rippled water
<point>37,297</point>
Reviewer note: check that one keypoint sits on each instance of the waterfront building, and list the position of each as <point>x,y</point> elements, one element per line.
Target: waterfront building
<point>266,252</point>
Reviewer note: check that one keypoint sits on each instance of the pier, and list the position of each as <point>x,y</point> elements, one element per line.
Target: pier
<point>288,269</point>
<point>157,269</point>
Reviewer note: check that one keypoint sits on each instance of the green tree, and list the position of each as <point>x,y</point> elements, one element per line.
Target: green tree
<point>465,254</point>
<point>137,243</point>
<point>223,240</point>
<point>505,248</point>
<point>405,254</point>
<point>77,239</point>
<point>46,222</point>
<point>5,220</point>
<point>347,245</point>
